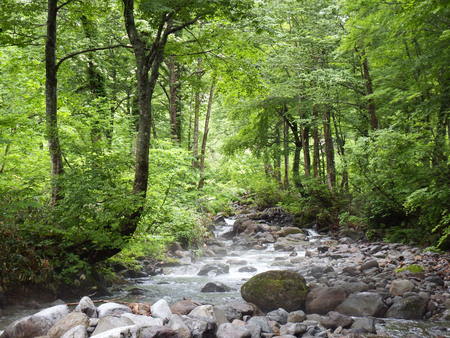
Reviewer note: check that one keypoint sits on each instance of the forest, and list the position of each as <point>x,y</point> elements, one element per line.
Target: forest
<point>127,125</point>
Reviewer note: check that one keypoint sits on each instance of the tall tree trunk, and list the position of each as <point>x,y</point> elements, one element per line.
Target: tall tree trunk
<point>205,134</point>
<point>340,141</point>
<point>51,103</point>
<point>197,104</point>
<point>297,151</point>
<point>277,153</point>
<point>316,144</point>
<point>371,109</point>
<point>329,149</point>
<point>439,157</point>
<point>174,98</point>
<point>286,154</point>
<point>306,156</point>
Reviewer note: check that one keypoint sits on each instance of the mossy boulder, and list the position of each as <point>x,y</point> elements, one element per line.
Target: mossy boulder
<point>275,289</point>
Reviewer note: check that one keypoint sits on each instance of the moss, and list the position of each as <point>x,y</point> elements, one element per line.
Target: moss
<point>413,268</point>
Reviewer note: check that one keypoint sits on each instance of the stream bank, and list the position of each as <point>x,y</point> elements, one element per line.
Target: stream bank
<point>390,290</point>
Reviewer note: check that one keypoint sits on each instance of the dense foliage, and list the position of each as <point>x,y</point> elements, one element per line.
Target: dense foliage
<point>125,124</point>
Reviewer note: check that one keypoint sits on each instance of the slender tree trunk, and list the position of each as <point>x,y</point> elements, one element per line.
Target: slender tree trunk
<point>340,141</point>
<point>329,149</point>
<point>195,131</point>
<point>439,157</point>
<point>316,145</point>
<point>205,134</point>
<point>306,156</point>
<point>174,99</point>
<point>51,103</point>
<point>277,153</point>
<point>286,154</point>
<point>371,109</point>
<point>5,155</point>
<point>297,151</point>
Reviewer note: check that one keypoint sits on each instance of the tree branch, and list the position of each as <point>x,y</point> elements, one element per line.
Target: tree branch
<point>71,55</point>
<point>64,4</point>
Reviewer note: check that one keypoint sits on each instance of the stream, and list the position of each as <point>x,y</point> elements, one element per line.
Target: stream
<point>182,281</point>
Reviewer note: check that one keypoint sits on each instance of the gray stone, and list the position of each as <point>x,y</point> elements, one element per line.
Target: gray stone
<point>112,309</point>
<point>333,320</point>
<point>262,322</point>
<point>365,325</point>
<point>37,324</point>
<point>296,316</point>
<point>200,327</point>
<point>280,315</point>
<point>363,304</point>
<point>87,306</point>
<point>161,309</point>
<point>400,286</point>
<point>247,269</point>
<point>322,300</point>
<point>76,332</point>
<point>209,312</point>
<point>216,269</point>
<point>369,265</point>
<point>408,307</point>
<point>177,324</point>
<point>230,312</point>
<point>228,330</point>
<point>294,329</point>
<point>215,287</point>
<point>143,320</point>
<point>108,323</point>
<point>68,322</point>
<point>183,307</point>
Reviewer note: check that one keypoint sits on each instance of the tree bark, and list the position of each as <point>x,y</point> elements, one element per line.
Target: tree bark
<point>316,144</point>
<point>51,103</point>
<point>286,154</point>
<point>329,149</point>
<point>277,153</point>
<point>197,104</point>
<point>306,156</point>
<point>371,108</point>
<point>174,98</point>
<point>205,134</point>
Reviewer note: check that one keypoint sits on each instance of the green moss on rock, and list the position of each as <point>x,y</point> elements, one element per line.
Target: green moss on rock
<point>413,268</point>
<point>275,289</point>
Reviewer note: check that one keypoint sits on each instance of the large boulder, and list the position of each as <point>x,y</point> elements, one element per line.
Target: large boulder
<point>87,306</point>
<point>183,307</point>
<point>68,322</point>
<point>410,307</point>
<point>161,309</point>
<point>275,289</point>
<point>177,324</point>
<point>363,304</point>
<point>112,309</point>
<point>37,324</point>
<point>76,332</point>
<point>322,300</point>
<point>400,286</point>
<point>209,312</point>
<point>107,323</point>
<point>215,287</point>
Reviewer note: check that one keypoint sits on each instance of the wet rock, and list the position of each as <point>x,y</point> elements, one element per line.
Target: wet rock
<point>261,322</point>
<point>228,330</point>
<point>236,261</point>
<point>143,320</point>
<point>37,324</point>
<point>296,316</point>
<point>215,287</point>
<point>87,306</point>
<point>289,231</point>
<point>247,269</point>
<point>218,250</point>
<point>156,332</point>
<point>183,307</point>
<point>351,270</point>
<point>76,332</point>
<point>365,325</point>
<point>200,327</point>
<point>161,309</point>
<point>217,269</point>
<point>294,329</point>
<point>318,271</point>
<point>436,280</point>
<point>279,316</point>
<point>230,312</point>
<point>322,300</point>
<point>369,265</point>
<point>408,307</point>
<point>136,291</point>
<point>271,290</point>
<point>352,287</point>
<point>210,313</point>
<point>108,323</point>
<point>245,309</point>
<point>68,322</point>
<point>363,304</point>
<point>400,286</point>
<point>112,309</point>
<point>177,324</point>
<point>282,245</point>
<point>333,320</point>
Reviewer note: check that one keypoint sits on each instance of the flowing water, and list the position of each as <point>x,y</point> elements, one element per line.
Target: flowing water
<point>182,281</point>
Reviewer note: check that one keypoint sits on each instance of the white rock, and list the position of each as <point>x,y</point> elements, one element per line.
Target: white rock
<point>161,309</point>
<point>76,332</point>
<point>120,332</point>
<point>111,322</point>
<point>112,309</point>
<point>87,306</point>
<point>143,320</point>
<point>177,324</point>
<point>209,312</point>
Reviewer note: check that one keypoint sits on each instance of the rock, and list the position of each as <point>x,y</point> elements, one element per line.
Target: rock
<point>209,312</point>
<point>279,315</point>
<point>400,287</point>
<point>296,316</point>
<point>177,324</point>
<point>37,324</point>
<point>271,290</point>
<point>87,306</point>
<point>283,245</point>
<point>366,325</point>
<point>352,287</point>
<point>334,319</point>
<point>369,265</point>
<point>215,287</point>
<point>143,309</point>
<point>68,322</point>
<point>363,304</point>
<point>235,261</point>
<point>318,271</point>
<point>217,269</point>
<point>183,307</point>
<point>136,292</point>
<point>245,309</point>
<point>294,329</point>
<point>446,315</point>
<point>143,320</point>
<point>76,332</point>
<point>200,327</point>
<point>108,323</point>
<point>247,269</point>
<point>408,307</point>
<point>228,330</point>
<point>112,309</point>
<point>161,309</point>
<point>230,312</point>
<point>262,322</point>
<point>289,231</point>
<point>118,332</point>
<point>322,300</point>
<point>351,270</point>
